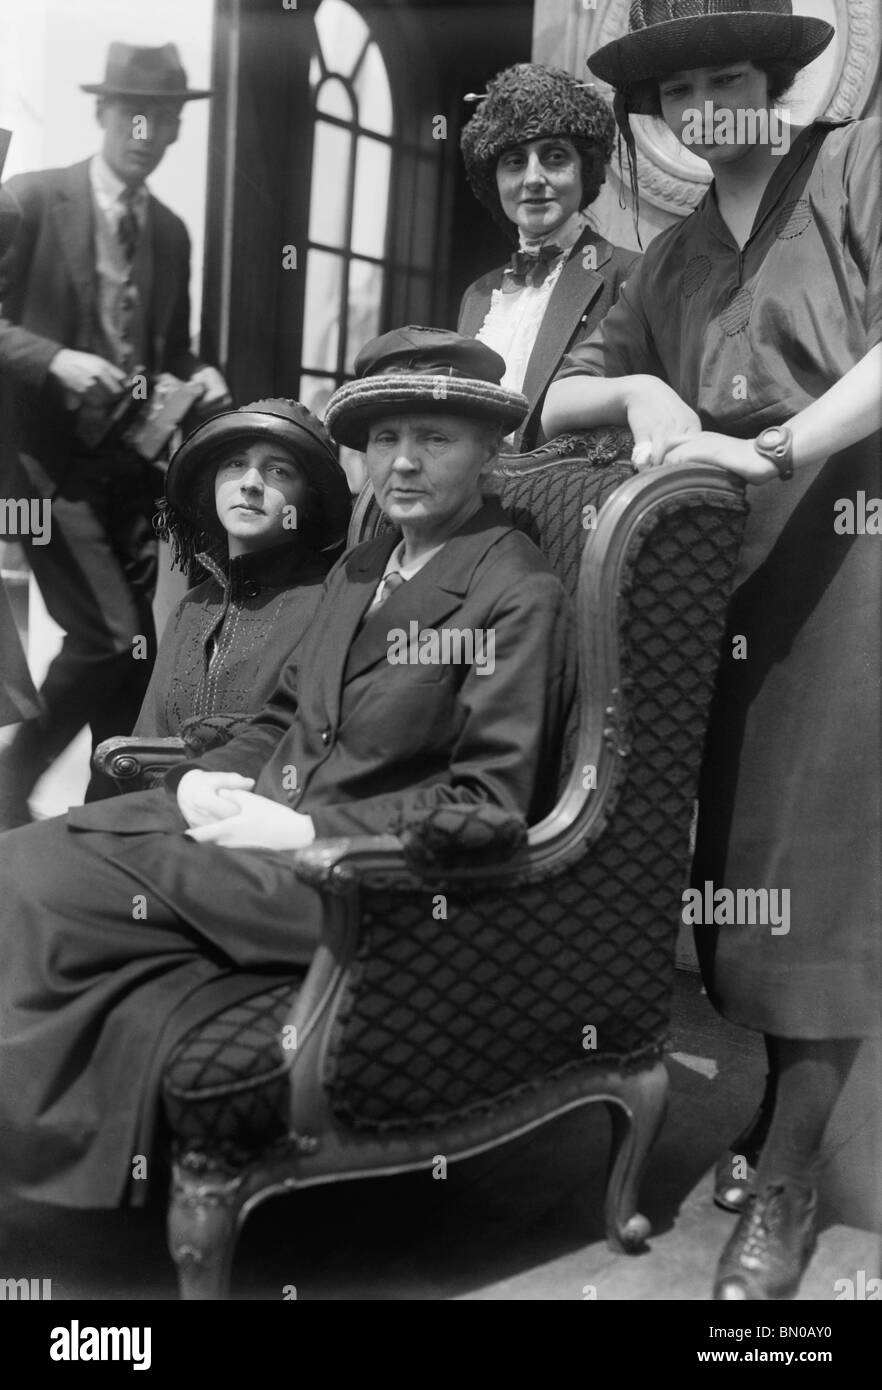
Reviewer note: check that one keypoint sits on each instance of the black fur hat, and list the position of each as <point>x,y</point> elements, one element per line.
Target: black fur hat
<point>526,102</point>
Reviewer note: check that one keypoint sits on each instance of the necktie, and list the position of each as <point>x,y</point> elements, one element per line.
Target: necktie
<point>530,267</point>
<point>128,229</point>
<point>391,582</point>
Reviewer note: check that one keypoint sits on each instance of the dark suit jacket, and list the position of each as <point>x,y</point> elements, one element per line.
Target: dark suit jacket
<point>368,742</point>
<point>578,302</point>
<point>48,300</point>
<point>18,699</point>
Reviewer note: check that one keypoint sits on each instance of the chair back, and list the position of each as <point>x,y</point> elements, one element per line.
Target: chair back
<point>565,958</point>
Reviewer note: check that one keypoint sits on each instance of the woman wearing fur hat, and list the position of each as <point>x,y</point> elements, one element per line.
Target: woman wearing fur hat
<point>256,499</point>
<point>535,153</point>
<point>750,339</point>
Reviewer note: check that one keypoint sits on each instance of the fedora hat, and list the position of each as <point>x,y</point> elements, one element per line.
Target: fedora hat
<point>187,517</point>
<point>422,371</point>
<point>673,35</point>
<point>151,73</point>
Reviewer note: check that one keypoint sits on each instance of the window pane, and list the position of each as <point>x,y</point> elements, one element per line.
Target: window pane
<point>316,391</point>
<point>424,213</point>
<point>419,299</point>
<point>334,100</point>
<point>374,162</point>
<point>321,315</point>
<point>365,294</point>
<point>342,34</point>
<point>372,90</point>
<point>330,173</point>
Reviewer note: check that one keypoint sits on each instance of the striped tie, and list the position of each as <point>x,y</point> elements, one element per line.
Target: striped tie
<point>391,582</point>
<point>128,229</point>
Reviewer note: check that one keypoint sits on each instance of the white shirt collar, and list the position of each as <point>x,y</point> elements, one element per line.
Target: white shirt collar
<point>393,564</point>
<point>108,189</point>
<point>566,235</point>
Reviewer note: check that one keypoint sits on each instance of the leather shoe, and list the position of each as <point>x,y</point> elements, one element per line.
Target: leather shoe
<point>768,1251</point>
<point>732,1192</point>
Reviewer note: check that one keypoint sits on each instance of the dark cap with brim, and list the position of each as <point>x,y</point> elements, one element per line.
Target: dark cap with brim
<point>281,422</point>
<point>422,371</point>
<point>667,36</point>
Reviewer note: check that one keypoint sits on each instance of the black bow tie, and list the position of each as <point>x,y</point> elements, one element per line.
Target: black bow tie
<point>530,267</point>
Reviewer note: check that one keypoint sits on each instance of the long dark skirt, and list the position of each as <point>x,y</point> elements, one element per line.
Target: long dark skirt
<point>791,792</point>
<point>100,977</point>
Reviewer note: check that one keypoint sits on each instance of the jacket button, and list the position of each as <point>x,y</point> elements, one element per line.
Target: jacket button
<point>251,589</point>
<point>326,736</point>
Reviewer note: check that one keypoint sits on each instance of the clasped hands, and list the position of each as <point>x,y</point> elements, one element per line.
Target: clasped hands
<point>666,430</point>
<point>221,809</point>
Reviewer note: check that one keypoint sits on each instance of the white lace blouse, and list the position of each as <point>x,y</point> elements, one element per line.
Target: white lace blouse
<point>513,321</point>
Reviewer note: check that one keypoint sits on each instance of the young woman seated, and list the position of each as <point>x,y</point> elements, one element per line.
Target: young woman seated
<point>256,501</point>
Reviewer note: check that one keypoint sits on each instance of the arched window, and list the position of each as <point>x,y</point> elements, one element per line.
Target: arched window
<point>346,261</point>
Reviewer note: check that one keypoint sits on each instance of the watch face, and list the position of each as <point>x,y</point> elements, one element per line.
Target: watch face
<point>771,437</point>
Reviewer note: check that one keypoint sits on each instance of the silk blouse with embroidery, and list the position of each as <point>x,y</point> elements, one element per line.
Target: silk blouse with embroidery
<point>748,337</point>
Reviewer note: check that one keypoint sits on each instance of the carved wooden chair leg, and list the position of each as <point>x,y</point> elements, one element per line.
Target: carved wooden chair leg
<point>636,1117</point>
<point>203,1222</point>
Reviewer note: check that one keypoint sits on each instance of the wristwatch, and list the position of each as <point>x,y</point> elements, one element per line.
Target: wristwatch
<point>776,445</point>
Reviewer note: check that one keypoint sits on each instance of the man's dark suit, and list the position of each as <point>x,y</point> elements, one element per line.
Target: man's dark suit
<point>579,300</point>
<point>48,296</point>
<point>98,573</point>
<point>354,741</point>
<point>18,698</point>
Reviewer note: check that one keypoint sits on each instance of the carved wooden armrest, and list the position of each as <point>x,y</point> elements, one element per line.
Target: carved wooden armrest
<point>138,763</point>
<point>443,838</point>
<point>602,446</point>
<point>341,864</point>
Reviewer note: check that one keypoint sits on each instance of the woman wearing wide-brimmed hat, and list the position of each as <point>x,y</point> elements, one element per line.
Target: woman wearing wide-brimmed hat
<point>255,500</point>
<point>536,152</point>
<point>750,337</point>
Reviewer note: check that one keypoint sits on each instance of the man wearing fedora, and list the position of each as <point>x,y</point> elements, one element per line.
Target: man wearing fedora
<point>351,742</point>
<point>94,288</point>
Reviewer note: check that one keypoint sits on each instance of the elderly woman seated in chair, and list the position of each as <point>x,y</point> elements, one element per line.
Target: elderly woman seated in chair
<point>256,500</point>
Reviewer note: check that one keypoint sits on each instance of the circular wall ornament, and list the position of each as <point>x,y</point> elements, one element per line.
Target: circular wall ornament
<point>837,85</point>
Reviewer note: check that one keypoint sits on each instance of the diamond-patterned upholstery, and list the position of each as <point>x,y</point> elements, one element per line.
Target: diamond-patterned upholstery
<point>440,1019</point>
<point>446,1018</point>
<point>227,1079</point>
<point>225,1084</point>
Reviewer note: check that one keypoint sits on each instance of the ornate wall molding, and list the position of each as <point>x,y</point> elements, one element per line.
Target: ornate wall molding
<point>670,178</point>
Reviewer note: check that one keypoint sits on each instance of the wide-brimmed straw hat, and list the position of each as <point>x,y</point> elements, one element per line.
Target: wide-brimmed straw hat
<point>155,74</point>
<point>673,35</point>
<point>187,516</point>
<point>422,371</point>
<point>527,102</point>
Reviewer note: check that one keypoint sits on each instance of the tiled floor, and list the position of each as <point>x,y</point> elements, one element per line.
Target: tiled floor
<point>523,1222</point>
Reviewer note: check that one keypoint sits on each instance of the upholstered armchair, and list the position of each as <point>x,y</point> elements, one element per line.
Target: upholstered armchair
<point>477,978</point>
